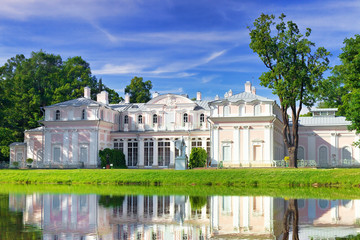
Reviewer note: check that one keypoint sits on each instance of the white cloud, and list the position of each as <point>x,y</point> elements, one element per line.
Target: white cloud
<point>120,69</point>
<point>207,79</point>
<point>176,90</point>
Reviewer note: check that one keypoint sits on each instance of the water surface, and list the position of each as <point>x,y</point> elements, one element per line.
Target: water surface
<point>91,216</point>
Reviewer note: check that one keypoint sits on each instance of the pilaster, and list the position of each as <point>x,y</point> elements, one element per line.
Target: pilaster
<point>246,145</point>
<point>155,152</point>
<point>141,153</point>
<point>236,148</point>
<point>172,153</point>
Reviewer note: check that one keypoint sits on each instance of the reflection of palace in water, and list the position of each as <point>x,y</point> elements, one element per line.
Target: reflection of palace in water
<point>69,216</point>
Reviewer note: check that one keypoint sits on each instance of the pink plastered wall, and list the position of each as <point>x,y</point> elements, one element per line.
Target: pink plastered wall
<point>57,138</point>
<point>84,136</point>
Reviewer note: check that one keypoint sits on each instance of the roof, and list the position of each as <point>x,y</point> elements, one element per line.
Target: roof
<point>246,97</point>
<point>323,121</point>
<point>78,102</point>
<point>323,110</point>
<point>202,104</point>
<point>38,129</point>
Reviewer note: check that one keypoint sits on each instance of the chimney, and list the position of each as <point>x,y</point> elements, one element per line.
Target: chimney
<point>103,97</point>
<point>248,87</point>
<point>230,93</point>
<point>253,90</point>
<point>127,98</point>
<point>87,93</point>
<point>198,96</point>
<point>217,97</point>
<point>155,94</point>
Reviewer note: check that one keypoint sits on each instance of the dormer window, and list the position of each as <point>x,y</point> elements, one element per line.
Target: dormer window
<point>155,119</point>
<point>257,110</point>
<point>102,115</point>
<point>226,111</point>
<point>186,118</point>
<point>126,119</point>
<point>83,114</point>
<point>202,118</point>
<point>57,115</point>
<point>140,119</point>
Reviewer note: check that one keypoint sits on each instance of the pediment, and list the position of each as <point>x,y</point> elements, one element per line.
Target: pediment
<point>171,100</point>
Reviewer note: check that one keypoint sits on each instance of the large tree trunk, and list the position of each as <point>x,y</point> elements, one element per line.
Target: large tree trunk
<point>291,216</point>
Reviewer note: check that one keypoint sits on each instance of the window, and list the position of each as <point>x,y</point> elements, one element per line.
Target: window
<point>119,144</point>
<point>126,119</point>
<point>39,156</point>
<point>164,152</point>
<point>132,152</point>
<point>226,111</point>
<point>163,205</point>
<point>57,115</point>
<point>323,204</point>
<point>131,205</point>
<point>19,157</point>
<point>202,118</point>
<point>186,118</point>
<point>148,205</point>
<point>257,110</point>
<point>83,154</point>
<point>148,152</point>
<point>155,119</point>
<point>57,154</point>
<point>102,115</point>
<point>196,142</point>
<point>140,119</point>
<point>83,114</point>
<point>301,153</point>
<point>208,149</point>
<point>346,153</point>
<point>241,110</point>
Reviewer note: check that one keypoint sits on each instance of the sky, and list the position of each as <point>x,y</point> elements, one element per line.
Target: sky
<point>181,46</point>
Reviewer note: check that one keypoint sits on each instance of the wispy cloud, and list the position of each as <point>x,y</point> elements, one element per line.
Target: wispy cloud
<point>120,69</point>
<point>175,90</point>
<point>207,79</point>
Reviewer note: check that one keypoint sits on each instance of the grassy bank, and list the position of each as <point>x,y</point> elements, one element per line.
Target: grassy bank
<point>269,177</point>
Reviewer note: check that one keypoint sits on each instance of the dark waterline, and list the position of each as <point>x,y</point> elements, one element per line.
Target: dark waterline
<point>91,216</point>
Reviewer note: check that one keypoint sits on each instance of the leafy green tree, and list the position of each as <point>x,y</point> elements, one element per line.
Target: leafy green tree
<point>139,91</point>
<point>112,156</point>
<point>197,158</point>
<point>294,71</point>
<point>347,75</point>
<point>27,84</point>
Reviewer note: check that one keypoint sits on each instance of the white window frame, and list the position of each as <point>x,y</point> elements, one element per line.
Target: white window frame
<point>327,154</point>
<point>53,153</point>
<point>84,146</point>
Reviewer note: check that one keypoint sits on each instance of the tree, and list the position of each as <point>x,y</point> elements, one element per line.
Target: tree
<point>347,76</point>
<point>294,72</point>
<point>27,84</point>
<point>197,158</point>
<point>139,91</point>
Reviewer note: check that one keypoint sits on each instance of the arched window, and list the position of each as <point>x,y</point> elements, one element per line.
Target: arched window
<point>202,118</point>
<point>226,111</point>
<point>346,153</point>
<point>140,119</point>
<point>155,119</point>
<point>186,118</point>
<point>257,110</point>
<point>57,115</point>
<point>126,119</point>
<point>241,109</point>
<point>83,114</point>
<point>301,153</point>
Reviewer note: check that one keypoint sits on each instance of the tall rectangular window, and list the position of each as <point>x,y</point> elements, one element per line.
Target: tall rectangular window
<point>164,152</point>
<point>148,152</point>
<point>57,154</point>
<point>132,152</point>
<point>119,144</point>
<point>83,154</point>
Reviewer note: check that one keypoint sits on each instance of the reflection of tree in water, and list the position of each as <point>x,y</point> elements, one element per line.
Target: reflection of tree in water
<point>12,225</point>
<point>111,201</point>
<point>350,237</point>
<point>197,202</point>
<point>291,217</point>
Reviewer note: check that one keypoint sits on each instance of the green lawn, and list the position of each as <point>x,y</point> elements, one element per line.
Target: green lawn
<point>264,177</point>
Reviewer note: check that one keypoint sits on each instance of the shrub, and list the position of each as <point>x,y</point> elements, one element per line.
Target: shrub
<point>29,161</point>
<point>115,157</point>
<point>197,158</point>
<point>15,164</point>
<point>197,202</point>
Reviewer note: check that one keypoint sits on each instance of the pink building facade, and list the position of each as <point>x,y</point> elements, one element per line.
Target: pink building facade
<point>239,130</point>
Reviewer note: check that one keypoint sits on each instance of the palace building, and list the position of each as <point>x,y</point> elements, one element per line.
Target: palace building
<point>240,130</point>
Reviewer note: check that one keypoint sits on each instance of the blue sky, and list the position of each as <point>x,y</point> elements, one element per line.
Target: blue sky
<point>181,46</point>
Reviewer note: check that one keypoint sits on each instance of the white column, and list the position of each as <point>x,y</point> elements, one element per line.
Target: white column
<point>188,146</point>
<point>216,146</point>
<point>267,145</point>
<point>334,210</point>
<point>203,143</point>
<point>93,148</point>
<point>172,206</point>
<point>125,148</point>
<point>236,212</point>
<point>47,210</point>
<point>236,148</point>
<point>334,149</point>
<point>215,212</point>
<point>47,150</point>
<point>172,153</point>
<point>140,207</point>
<point>246,144</point>
<point>155,157</point>
<point>312,146</point>
<point>155,204</point>
<point>357,209</point>
<point>141,153</point>
<point>74,210</point>
<point>267,212</point>
<point>246,213</point>
<point>75,146</point>
<point>64,208</point>
<point>65,150</point>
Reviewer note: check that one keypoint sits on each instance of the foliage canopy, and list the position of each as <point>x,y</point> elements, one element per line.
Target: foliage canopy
<point>197,158</point>
<point>295,70</point>
<point>139,90</point>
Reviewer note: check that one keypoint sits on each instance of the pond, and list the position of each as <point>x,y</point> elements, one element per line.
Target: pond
<point>91,216</point>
